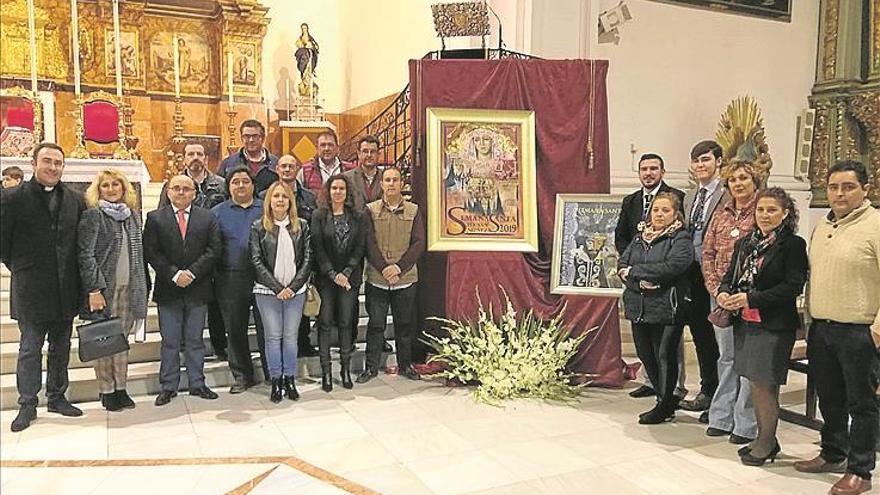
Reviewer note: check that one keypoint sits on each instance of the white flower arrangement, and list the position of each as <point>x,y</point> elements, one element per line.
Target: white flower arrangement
<point>511,359</point>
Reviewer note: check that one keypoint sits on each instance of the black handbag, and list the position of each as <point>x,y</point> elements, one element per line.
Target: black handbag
<point>101,338</point>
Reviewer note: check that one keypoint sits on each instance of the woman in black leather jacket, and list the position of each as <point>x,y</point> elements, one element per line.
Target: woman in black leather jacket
<point>339,240</point>
<point>654,269</point>
<point>281,253</point>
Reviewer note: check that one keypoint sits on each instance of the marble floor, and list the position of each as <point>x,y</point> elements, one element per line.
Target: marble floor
<point>391,436</point>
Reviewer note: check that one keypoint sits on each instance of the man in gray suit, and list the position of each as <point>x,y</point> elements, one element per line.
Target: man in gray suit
<point>700,204</point>
<point>364,179</point>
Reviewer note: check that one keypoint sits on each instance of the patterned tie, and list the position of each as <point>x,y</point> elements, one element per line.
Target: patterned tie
<point>697,217</point>
<point>181,223</point>
<point>647,206</point>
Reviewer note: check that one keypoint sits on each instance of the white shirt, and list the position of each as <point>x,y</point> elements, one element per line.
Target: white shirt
<point>186,213</point>
<point>710,190</point>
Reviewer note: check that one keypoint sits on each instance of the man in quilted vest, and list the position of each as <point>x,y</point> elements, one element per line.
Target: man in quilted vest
<point>326,164</point>
<point>395,241</point>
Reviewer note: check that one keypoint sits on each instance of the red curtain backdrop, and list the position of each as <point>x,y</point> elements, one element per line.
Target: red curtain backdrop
<point>567,96</point>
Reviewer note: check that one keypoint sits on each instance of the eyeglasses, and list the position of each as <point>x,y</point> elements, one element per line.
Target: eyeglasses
<point>251,137</point>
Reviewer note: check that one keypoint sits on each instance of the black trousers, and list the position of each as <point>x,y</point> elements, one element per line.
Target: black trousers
<point>337,311</point>
<point>235,297</point>
<point>844,363</point>
<point>703,333</point>
<point>403,312</point>
<point>29,368</point>
<point>303,339</point>
<point>657,347</point>
<point>216,328</point>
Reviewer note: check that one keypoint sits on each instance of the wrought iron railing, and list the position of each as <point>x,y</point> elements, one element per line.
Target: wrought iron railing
<point>392,125</point>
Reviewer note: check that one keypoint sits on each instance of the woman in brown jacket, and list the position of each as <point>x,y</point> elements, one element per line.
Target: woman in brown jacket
<point>731,412</point>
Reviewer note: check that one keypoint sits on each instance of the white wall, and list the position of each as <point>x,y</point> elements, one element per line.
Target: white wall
<point>676,68</point>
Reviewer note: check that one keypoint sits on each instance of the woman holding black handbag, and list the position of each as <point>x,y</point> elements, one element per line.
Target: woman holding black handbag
<point>111,265</point>
<point>654,269</point>
<point>761,287</point>
<point>339,240</point>
<point>281,253</point>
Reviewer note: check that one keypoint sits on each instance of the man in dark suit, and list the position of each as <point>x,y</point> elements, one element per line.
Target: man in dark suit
<point>700,204</point>
<point>182,242</point>
<point>38,245</point>
<point>634,212</point>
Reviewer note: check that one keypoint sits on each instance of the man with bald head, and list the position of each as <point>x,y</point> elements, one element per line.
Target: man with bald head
<point>306,202</point>
<point>182,242</point>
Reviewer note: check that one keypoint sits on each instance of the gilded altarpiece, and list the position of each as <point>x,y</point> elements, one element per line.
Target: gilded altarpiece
<point>846,95</point>
<point>206,32</point>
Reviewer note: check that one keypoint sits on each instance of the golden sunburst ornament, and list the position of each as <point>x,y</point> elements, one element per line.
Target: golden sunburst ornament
<point>741,135</point>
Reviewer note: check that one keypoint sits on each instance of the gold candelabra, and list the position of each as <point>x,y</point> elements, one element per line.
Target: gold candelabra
<point>231,147</point>
<point>79,151</point>
<point>178,142</point>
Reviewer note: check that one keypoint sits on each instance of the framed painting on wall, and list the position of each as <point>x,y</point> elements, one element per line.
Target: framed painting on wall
<point>771,9</point>
<point>584,255</point>
<point>129,50</point>
<point>481,180</point>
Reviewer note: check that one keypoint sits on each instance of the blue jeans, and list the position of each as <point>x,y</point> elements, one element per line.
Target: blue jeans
<point>281,326</point>
<point>731,408</point>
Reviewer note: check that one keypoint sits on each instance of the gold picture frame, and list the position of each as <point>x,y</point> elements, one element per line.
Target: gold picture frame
<point>584,255</point>
<point>481,180</point>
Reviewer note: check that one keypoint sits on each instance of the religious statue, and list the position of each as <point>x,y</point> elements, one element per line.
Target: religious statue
<point>306,60</point>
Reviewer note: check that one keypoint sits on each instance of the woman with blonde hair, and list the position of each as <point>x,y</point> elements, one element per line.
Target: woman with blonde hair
<point>281,254</point>
<point>111,266</point>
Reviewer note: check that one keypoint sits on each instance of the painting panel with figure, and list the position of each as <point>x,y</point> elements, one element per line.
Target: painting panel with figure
<point>195,62</point>
<point>584,256</point>
<point>244,63</point>
<point>481,180</point>
<point>129,50</point>
<point>779,10</point>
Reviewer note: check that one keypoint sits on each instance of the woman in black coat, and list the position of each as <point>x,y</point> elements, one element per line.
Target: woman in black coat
<point>654,269</point>
<point>761,288</point>
<point>281,254</point>
<point>339,241</point>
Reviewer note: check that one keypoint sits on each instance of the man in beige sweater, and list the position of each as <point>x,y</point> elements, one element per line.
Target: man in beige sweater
<point>844,303</point>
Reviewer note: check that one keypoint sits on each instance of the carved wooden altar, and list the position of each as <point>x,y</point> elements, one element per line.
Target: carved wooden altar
<point>846,95</point>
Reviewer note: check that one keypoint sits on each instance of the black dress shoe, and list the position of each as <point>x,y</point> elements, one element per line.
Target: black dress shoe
<point>367,375</point>
<point>716,432</point>
<point>699,403</point>
<point>704,418</point>
<point>660,414</point>
<point>738,440</point>
<point>124,400</point>
<point>238,387</point>
<point>26,414</point>
<point>204,392</point>
<point>165,397</point>
<point>221,355</point>
<point>110,402</point>
<point>410,373</point>
<point>326,382</point>
<point>386,347</point>
<point>63,407</point>
<point>643,391</point>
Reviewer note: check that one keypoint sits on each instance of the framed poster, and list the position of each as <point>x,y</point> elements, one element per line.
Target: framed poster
<point>481,180</point>
<point>584,255</point>
<point>779,10</point>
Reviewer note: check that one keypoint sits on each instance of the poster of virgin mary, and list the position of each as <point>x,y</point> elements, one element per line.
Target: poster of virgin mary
<point>481,171</point>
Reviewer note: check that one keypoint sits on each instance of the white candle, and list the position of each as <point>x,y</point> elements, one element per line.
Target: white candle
<point>117,46</point>
<point>74,28</point>
<point>287,94</point>
<point>32,30</point>
<point>229,78</point>
<point>176,53</point>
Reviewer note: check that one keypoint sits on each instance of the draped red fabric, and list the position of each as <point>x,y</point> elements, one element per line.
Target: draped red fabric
<point>101,122</point>
<point>570,105</point>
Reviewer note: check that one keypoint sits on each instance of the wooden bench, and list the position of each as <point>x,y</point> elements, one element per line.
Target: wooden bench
<point>799,363</point>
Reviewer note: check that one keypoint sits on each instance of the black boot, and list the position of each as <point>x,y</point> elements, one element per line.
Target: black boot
<point>345,374</point>
<point>326,380</point>
<point>290,388</point>
<point>110,402</point>
<point>276,394</point>
<point>124,400</point>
